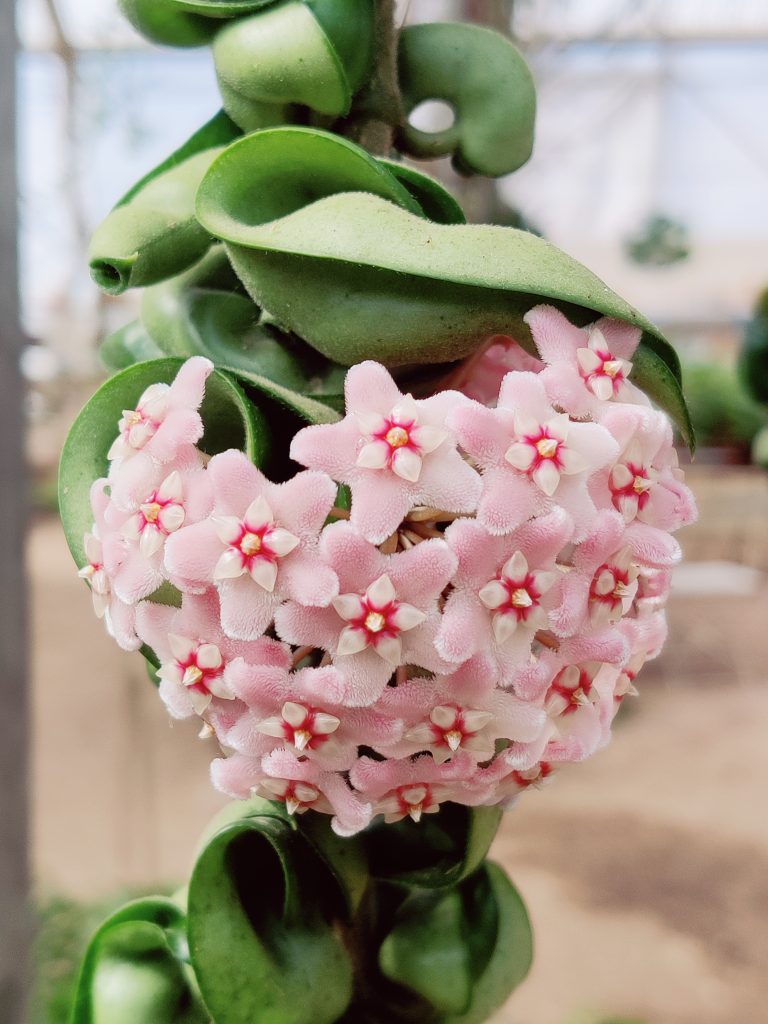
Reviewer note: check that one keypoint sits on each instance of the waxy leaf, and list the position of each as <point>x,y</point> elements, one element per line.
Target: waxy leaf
<point>381,283</point>
<point>230,421</point>
<point>261,923</point>
<point>222,8</point>
<point>161,21</point>
<point>126,346</point>
<point>487,83</point>
<point>135,970</point>
<point>273,173</point>
<point>349,26</point>
<point>463,950</point>
<point>153,235</point>
<point>436,202</point>
<point>658,380</point>
<point>219,131</point>
<point>277,58</point>
<point>436,852</point>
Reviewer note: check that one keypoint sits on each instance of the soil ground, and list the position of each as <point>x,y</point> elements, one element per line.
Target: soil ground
<point>645,870</point>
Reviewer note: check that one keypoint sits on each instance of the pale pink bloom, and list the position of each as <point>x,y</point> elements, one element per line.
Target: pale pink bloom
<point>510,782</point>
<point>586,368</point>
<point>303,711</point>
<point>531,456</point>
<point>166,417</point>
<point>299,784</point>
<point>503,590</point>
<point>195,655</point>
<point>386,613</point>
<point>161,498</point>
<point>105,551</point>
<point>259,547</point>
<point>394,453</point>
<point>645,483</point>
<point>486,373</point>
<point>410,788</point>
<point>464,711</point>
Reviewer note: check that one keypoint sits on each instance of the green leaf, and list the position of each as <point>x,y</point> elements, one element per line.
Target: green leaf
<point>349,26</point>
<point>162,22</point>
<point>276,58</point>
<point>219,131</point>
<point>222,8</point>
<point>155,234</point>
<point>463,950</point>
<point>230,421</point>
<point>261,922</point>
<point>653,376</point>
<point>436,202</point>
<point>126,346</point>
<point>380,283</point>
<point>275,172</point>
<point>487,83</point>
<point>134,970</point>
<point>438,851</point>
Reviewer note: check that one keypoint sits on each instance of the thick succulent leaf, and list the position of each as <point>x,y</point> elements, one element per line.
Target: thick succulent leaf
<point>222,8</point>
<point>262,909</point>
<point>205,312</point>
<point>219,131</point>
<point>230,419</point>
<point>655,377</point>
<point>161,21</point>
<point>155,234</point>
<point>463,950</point>
<point>135,971</point>
<point>422,292</point>
<point>487,83</point>
<point>276,58</point>
<point>436,202</point>
<point>273,173</point>
<point>130,344</point>
<point>349,26</point>
<point>439,851</point>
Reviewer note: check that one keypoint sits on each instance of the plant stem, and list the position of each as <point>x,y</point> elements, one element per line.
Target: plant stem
<point>378,110</point>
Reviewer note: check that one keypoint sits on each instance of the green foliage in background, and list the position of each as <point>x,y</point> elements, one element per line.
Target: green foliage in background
<point>722,411</point>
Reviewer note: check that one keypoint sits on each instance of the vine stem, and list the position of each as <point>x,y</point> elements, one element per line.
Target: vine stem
<point>379,108</point>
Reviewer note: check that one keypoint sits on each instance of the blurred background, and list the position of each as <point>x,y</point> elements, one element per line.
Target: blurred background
<point>645,870</point>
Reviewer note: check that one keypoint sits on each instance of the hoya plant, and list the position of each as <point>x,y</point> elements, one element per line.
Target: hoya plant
<point>385,500</point>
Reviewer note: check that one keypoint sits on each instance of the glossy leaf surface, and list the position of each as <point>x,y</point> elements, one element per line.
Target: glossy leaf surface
<point>126,346</point>
<point>261,929</point>
<point>463,950</point>
<point>438,851</point>
<point>436,203</point>
<point>487,83</point>
<point>134,971</point>
<point>230,421</point>
<point>161,21</point>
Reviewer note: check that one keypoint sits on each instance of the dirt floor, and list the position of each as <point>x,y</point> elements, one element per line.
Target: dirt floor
<point>645,870</point>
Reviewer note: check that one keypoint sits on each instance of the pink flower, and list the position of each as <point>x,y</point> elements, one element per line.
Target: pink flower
<point>299,784</point>
<point>645,482</point>
<point>503,590</point>
<point>195,656</point>
<point>585,367</point>
<point>165,419</point>
<point>385,615</point>
<point>410,788</point>
<point>394,453</point>
<point>260,545</point>
<point>305,712</point>
<point>531,456</point>
<point>465,711</point>
<point>484,375</point>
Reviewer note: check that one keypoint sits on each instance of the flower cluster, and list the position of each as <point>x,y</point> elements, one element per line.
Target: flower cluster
<point>448,603</point>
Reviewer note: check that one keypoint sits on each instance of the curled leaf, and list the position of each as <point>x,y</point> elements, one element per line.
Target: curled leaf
<point>276,58</point>
<point>161,21</point>
<point>126,346</point>
<point>486,81</point>
<point>261,922</point>
<point>153,235</point>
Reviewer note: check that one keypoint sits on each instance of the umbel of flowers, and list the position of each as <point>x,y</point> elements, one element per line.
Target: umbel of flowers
<point>449,603</point>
